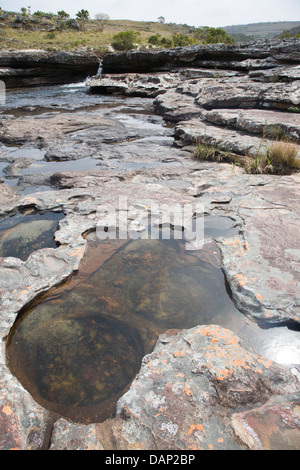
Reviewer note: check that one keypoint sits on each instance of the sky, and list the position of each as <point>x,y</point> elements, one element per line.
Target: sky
<point>192,12</point>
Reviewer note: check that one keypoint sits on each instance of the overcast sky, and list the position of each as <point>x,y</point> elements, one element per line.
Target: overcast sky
<point>192,12</point>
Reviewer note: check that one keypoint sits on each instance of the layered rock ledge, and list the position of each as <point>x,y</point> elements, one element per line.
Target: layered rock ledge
<point>38,67</point>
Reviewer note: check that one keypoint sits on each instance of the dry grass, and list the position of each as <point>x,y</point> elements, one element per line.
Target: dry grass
<point>91,35</point>
<point>280,158</point>
<point>283,156</point>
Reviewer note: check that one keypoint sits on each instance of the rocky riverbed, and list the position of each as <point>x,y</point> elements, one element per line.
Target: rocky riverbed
<point>230,384</point>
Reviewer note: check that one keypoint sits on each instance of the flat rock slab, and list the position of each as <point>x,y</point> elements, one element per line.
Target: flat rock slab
<point>186,390</point>
<point>47,130</point>
<point>193,132</point>
<point>257,121</point>
<point>263,265</point>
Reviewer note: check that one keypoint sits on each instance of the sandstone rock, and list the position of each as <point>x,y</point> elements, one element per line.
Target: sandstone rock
<point>227,140</point>
<point>267,256</point>
<point>69,436</point>
<point>44,131</point>
<point>230,56</point>
<point>242,93</point>
<point>39,67</point>
<point>149,85</point>
<point>186,390</point>
<point>274,124</point>
<point>273,426</point>
<point>23,423</point>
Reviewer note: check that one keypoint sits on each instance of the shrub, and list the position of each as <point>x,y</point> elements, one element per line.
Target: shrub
<point>125,40</point>
<point>155,39</point>
<point>280,159</point>
<point>209,35</point>
<point>181,40</point>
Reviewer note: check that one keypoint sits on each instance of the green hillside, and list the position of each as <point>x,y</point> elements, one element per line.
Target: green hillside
<point>260,30</point>
<point>32,30</point>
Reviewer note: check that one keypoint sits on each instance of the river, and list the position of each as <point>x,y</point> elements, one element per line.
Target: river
<point>137,126</point>
<point>132,137</point>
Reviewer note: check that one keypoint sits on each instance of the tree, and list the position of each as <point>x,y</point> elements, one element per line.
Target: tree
<point>63,14</point>
<point>161,19</point>
<point>209,35</point>
<point>101,19</point>
<point>82,15</point>
<point>125,41</point>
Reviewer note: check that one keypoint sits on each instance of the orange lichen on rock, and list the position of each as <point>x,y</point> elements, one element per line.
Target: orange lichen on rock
<point>242,279</point>
<point>224,346</point>
<point>7,410</point>
<point>197,427</point>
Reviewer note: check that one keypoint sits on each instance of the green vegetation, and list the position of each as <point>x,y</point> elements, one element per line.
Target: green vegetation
<point>30,30</point>
<point>204,35</point>
<point>246,32</point>
<point>207,152</point>
<point>126,40</point>
<point>280,158</point>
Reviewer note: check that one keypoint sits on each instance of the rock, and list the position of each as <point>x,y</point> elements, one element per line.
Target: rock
<point>69,436</point>
<point>24,425</point>
<point>187,389</point>
<point>63,128</point>
<point>39,67</point>
<point>227,140</point>
<point>212,55</point>
<point>264,266</point>
<point>133,84</point>
<point>242,93</point>
<point>277,74</point>
<point>174,106</point>
<point>274,124</point>
<point>274,425</point>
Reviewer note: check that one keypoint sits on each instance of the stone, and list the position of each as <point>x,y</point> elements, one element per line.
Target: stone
<point>24,425</point>
<point>40,67</point>
<point>185,392</point>
<point>273,426</point>
<point>204,387</point>
<point>220,55</point>
<point>69,436</point>
<point>257,121</point>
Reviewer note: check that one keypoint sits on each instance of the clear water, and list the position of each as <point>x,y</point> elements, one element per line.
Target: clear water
<point>22,234</point>
<point>77,349</point>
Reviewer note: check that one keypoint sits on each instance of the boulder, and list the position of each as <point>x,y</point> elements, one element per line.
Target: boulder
<point>187,390</point>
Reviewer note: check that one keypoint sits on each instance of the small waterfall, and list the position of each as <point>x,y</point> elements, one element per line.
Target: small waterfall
<point>100,69</point>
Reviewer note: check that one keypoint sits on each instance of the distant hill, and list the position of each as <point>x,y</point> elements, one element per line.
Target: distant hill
<point>243,32</point>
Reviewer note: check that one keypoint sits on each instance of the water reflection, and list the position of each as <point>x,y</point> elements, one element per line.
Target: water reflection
<point>78,349</point>
<point>22,234</point>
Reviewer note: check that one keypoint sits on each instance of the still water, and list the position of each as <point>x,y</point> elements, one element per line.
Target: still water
<point>23,233</point>
<point>78,348</point>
